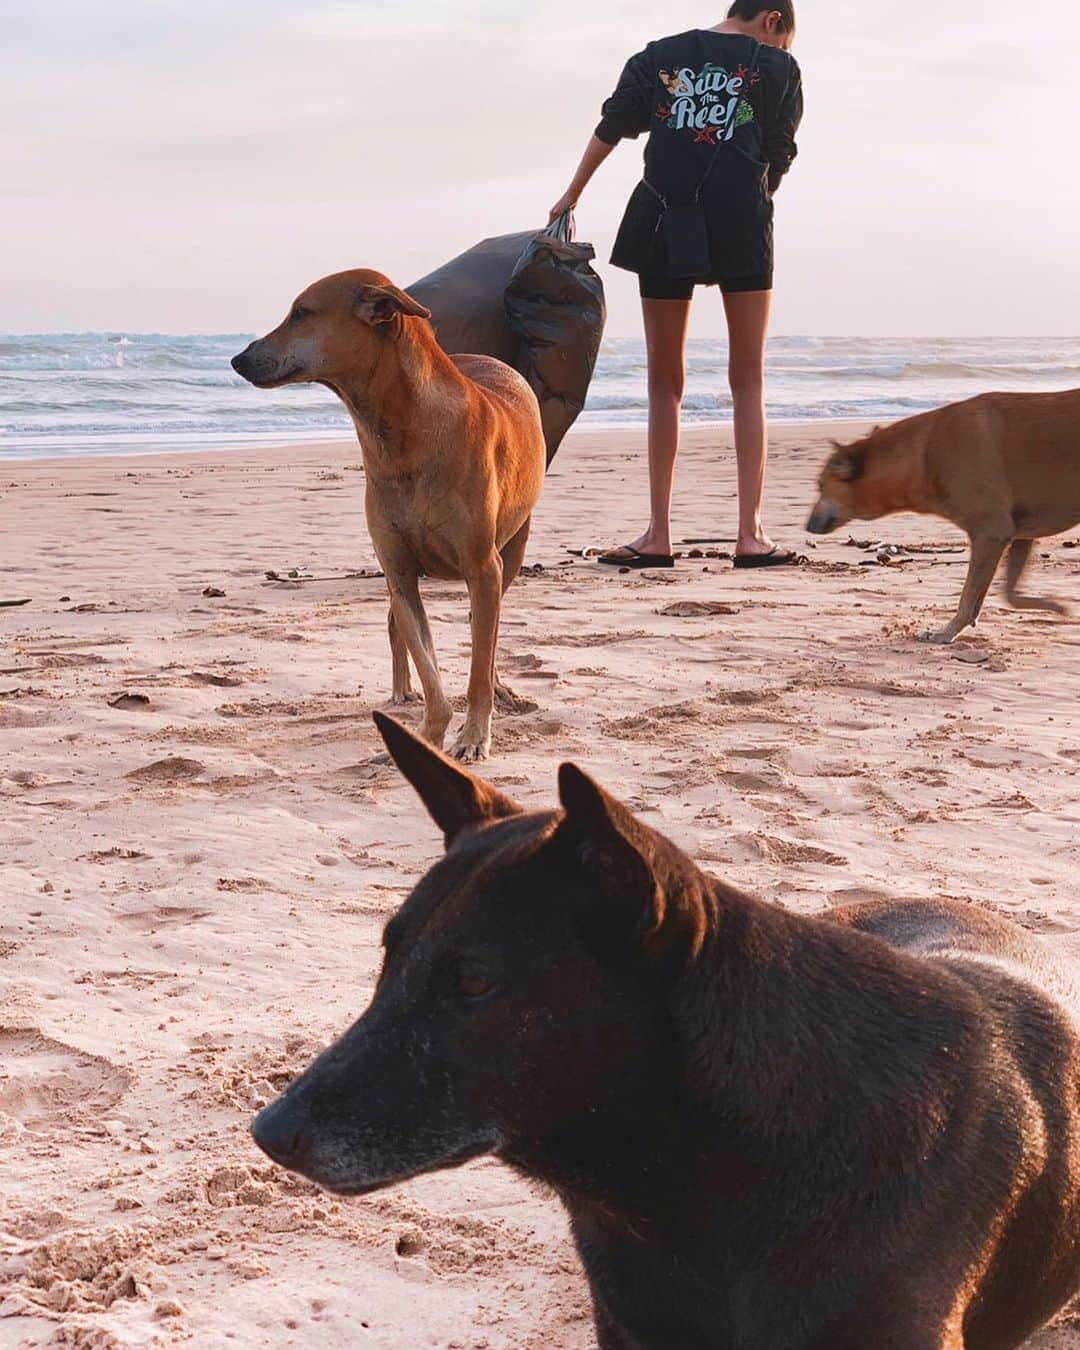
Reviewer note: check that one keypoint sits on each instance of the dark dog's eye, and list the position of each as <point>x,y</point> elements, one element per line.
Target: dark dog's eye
<point>474,986</point>
<point>299,312</point>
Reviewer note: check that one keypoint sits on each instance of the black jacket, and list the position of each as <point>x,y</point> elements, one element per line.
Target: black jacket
<point>701,95</point>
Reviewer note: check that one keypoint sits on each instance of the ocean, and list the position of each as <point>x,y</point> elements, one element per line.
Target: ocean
<point>116,393</point>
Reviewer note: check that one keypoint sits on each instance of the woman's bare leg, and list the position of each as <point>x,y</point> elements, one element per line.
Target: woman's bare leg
<point>665,341</point>
<point>748,329</point>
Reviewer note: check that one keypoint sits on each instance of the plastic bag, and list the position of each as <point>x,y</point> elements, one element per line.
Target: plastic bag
<point>533,301</point>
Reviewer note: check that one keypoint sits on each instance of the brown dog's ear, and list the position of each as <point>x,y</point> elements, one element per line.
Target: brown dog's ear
<point>649,899</point>
<point>380,304</point>
<point>848,463</point>
<point>455,799</point>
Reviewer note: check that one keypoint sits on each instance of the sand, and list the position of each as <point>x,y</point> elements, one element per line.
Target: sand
<point>198,855</point>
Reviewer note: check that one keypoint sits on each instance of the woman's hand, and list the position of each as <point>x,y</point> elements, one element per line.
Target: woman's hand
<point>595,154</point>
<point>567,202</point>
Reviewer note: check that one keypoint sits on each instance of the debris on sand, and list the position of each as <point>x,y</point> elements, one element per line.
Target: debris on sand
<point>888,555</point>
<point>696,609</point>
<point>877,545</point>
<point>296,576</point>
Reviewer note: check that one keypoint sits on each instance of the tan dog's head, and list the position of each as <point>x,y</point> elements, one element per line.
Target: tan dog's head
<point>336,327</point>
<point>860,481</point>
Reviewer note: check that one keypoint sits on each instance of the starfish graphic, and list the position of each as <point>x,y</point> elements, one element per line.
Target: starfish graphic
<point>663,112</point>
<point>706,135</point>
<point>740,74</point>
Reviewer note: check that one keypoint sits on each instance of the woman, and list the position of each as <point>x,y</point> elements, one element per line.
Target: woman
<point>721,106</point>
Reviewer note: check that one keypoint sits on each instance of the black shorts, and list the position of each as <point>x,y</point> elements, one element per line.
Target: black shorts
<point>682,288</point>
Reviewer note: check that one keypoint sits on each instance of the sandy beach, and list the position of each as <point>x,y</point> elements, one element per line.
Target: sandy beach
<point>198,854</point>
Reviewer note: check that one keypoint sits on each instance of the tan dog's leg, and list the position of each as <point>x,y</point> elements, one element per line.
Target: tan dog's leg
<point>986,551</point>
<point>410,620</point>
<point>1014,570</point>
<point>399,654</point>
<point>485,596</point>
<point>513,555</point>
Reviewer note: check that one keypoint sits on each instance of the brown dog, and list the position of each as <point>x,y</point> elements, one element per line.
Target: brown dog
<point>1004,467</point>
<point>771,1131</point>
<point>454,457</point>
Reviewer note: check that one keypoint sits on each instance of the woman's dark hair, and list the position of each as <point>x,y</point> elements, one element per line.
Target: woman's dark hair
<point>750,9</point>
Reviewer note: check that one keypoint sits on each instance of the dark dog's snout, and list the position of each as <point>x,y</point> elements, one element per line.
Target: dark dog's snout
<point>279,1131</point>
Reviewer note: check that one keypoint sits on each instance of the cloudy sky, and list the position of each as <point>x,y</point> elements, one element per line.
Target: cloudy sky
<point>187,166</point>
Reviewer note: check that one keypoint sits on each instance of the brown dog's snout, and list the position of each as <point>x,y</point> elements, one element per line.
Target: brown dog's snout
<point>239,362</point>
<point>254,363</point>
<point>265,366</point>
<point>824,518</point>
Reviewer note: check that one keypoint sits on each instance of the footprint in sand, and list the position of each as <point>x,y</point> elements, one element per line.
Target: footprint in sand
<point>167,916</point>
<point>216,681</point>
<point>767,780</point>
<point>789,851</point>
<point>27,778</point>
<point>59,660</point>
<point>858,895</point>
<point>174,769</point>
<point>745,698</point>
<point>228,1186</point>
<point>19,719</point>
<point>46,1084</point>
<point>251,1082</point>
<point>453,1244</point>
<point>1037,922</point>
<point>84,1272</point>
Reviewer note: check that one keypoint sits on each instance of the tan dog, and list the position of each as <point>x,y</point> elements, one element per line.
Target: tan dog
<point>1004,467</point>
<point>454,458</point>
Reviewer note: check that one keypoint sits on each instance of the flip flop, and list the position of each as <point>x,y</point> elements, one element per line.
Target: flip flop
<point>636,560</point>
<point>774,558</point>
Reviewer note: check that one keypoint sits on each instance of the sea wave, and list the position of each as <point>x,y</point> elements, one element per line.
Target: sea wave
<point>80,393</point>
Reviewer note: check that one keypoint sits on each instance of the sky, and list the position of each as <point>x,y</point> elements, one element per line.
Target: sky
<point>188,166</point>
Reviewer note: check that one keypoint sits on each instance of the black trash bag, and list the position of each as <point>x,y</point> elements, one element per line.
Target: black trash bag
<point>533,301</point>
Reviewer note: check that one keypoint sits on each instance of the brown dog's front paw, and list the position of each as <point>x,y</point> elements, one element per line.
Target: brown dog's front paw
<point>471,747</point>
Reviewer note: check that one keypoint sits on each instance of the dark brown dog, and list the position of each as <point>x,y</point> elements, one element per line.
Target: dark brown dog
<point>1004,467</point>
<point>454,456</point>
<point>771,1132</point>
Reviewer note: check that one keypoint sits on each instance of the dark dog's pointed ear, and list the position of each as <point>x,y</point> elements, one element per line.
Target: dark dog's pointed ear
<point>455,798</point>
<point>645,899</point>
<point>380,304</point>
<point>613,841</point>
